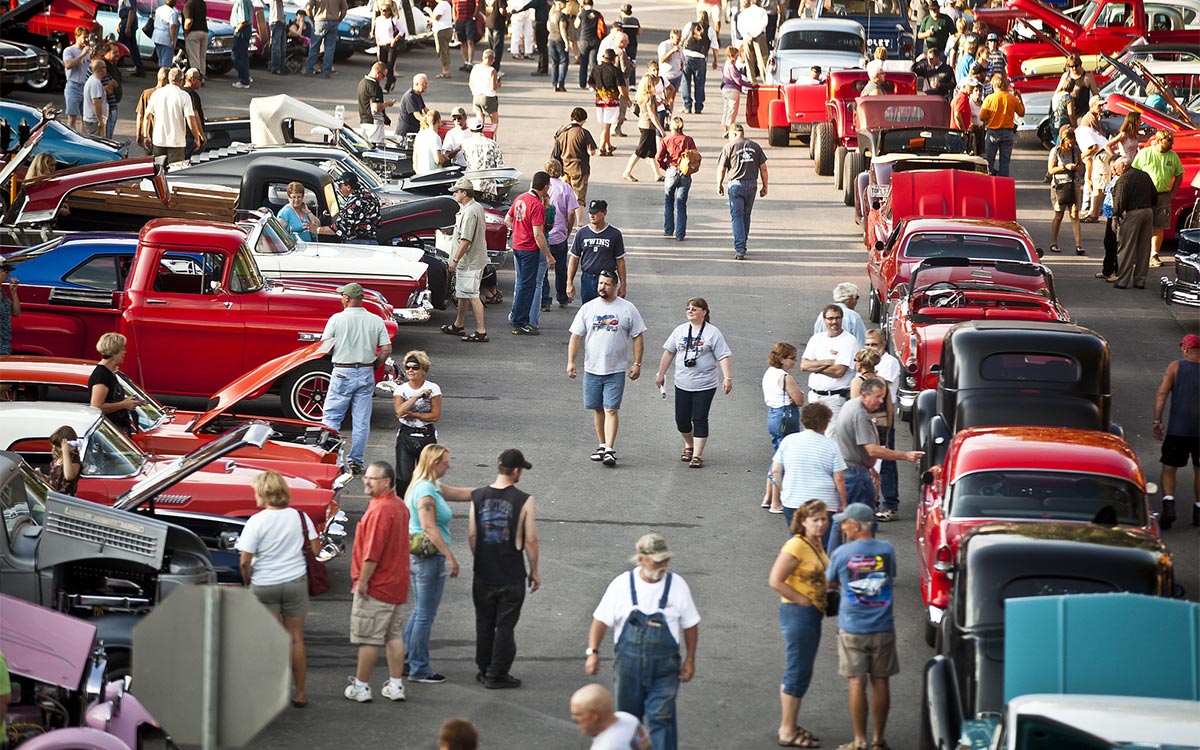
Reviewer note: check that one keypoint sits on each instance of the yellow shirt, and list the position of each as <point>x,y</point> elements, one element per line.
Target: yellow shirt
<point>999,110</point>
<point>808,577</point>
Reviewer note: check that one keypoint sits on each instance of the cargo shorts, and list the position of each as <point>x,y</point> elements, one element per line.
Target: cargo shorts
<point>374,623</point>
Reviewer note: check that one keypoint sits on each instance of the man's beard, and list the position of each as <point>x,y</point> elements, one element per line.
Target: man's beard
<point>654,574</point>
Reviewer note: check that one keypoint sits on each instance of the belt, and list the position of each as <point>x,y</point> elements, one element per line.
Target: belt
<point>844,392</point>
<point>367,364</point>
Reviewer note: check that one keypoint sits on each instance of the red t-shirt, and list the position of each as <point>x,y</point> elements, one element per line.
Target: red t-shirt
<point>960,111</point>
<point>464,10</point>
<point>527,212</point>
<point>382,536</point>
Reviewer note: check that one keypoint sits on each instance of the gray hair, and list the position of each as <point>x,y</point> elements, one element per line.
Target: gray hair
<point>844,291</point>
<point>1120,161</point>
<point>871,385</point>
<point>420,77</point>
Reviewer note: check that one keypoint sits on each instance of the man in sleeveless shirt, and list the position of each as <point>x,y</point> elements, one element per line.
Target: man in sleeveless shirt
<point>502,528</point>
<point>1182,439</point>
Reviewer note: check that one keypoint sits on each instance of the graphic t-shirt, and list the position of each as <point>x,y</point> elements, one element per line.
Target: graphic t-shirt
<point>526,212</point>
<point>499,560</point>
<point>741,160</point>
<point>608,330</point>
<point>865,570</point>
<point>424,404</point>
<point>598,250</point>
<point>705,346</point>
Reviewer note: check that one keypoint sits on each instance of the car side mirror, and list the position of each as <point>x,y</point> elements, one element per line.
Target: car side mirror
<point>935,368</point>
<point>215,287</point>
<point>879,246</point>
<point>927,478</point>
<point>1040,252</point>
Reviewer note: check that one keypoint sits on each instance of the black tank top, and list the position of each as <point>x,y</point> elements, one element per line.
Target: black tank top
<point>692,44</point>
<point>498,562</point>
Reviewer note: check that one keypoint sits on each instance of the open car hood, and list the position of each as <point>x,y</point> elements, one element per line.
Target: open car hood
<point>952,194</point>
<point>1066,26</point>
<point>267,114</point>
<point>45,197</point>
<point>22,12</point>
<point>256,380</point>
<point>1123,105</point>
<point>44,644</point>
<point>184,466</point>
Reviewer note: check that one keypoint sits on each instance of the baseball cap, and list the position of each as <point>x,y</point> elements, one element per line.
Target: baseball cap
<point>194,73</point>
<point>1190,341</point>
<point>514,459</point>
<point>462,184</point>
<point>596,206</point>
<point>857,512</point>
<point>475,124</point>
<point>627,9</point>
<point>6,266</point>
<point>458,112</point>
<point>993,38</point>
<point>735,128</point>
<point>353,290</point>
<point>653,546</point>
<point>349,178</point>
<point>974,82</point>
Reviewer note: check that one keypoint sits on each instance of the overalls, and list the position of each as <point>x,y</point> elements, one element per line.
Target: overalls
<point>646,670</point>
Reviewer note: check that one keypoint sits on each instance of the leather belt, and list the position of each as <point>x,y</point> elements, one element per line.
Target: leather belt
<point>369,364</point>
<point>844,392</point>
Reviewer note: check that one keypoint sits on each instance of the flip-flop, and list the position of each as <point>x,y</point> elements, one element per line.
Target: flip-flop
<point>766,504</point>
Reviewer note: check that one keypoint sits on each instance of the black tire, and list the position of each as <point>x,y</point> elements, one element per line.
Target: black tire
<point>930,632</point>
<point>823,146</point>
<point>778,136</point>
<point>874,308</point>
<point>812,142</point>
<point>218,67</point>
<point>1045,134</point>
<point>302,391</point>
<point>855,164</point>
<point>839,167</point>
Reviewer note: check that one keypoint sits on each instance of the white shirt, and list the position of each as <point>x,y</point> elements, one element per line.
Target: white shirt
<point>672,67</point>
<point>273,537</point>
<point>171,107</point>
<point>809,460</point>
<point>164,17</point>
<point>443,16</point>
<point>608,330</point>
<point>752,21</point>
<point>481,80</point>
<point>774,396</point>
<point>424,405</point>
<point>626,734</point>
<point>889,369</point>
<point>454,140</point>
<point>841,349</point>
<point>426,145</point>
<point>615,607</point>
<point>385,30</point>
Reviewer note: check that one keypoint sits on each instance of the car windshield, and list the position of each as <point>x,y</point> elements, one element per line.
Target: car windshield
<point>827,40</point>
<point>1032,495</point>
<point>24,496</point>
<point>34,251</point>
<point>274,239</point>
<point>110,453</point>
<point>338,167</point>
<point>149,413</point>
<point>245,277</point>
<point>980,246</point>
<point>865,8</point>
<point>918,141</point>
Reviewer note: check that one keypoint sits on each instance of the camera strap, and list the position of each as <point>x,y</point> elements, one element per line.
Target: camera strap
<point>687,345</point>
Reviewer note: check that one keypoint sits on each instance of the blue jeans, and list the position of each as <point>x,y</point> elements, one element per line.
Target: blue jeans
<point>559,251</point>
<point>741,203</point>
<point>775,415</point>
<point>241,54</point>
<point>326,32</point>
<point>559,61</point>
<point>110,127</point>
<point>526,264</point>
<point>801,628</point>
<point>539,291</point>
<point>997,148</point>
<point>351,389</point>
<point>675,195</point>
<point>694,73</point>
<point>427,580</point>
<point>889,479</point>
<point>278,46</point>
<point>587,287</point>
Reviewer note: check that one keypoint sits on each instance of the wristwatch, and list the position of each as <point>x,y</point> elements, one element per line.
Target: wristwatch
<point>590,652</point>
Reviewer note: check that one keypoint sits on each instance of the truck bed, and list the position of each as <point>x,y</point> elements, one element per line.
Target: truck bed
<point>129,207</point>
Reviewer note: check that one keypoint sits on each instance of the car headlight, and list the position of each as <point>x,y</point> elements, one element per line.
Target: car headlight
<point>3,63</point>
<point>43,60</point>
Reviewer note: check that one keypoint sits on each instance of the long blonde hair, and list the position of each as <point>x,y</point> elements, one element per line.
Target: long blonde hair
<point>646,88</point>
<point>424,472</point>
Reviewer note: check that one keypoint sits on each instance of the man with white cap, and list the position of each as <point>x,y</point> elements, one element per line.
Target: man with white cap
<point>649,609</point>
<point>480,151</point>
<point>453,140</point>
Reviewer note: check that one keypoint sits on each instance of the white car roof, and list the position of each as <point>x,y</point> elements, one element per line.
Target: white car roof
<point>832,24</point>
<point>20,420</point>
<point>1116,718</point>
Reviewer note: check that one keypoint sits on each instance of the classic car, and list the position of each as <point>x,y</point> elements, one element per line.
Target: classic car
<point>69,147</point>
<point>916,239</point>
<point>22,63</point>
<point>916,124</point>
<point>1023,474</point>
<point>218,56</point>
<point>1000,562</point>
<point>1014,373</point>
<point>886,25</point>
<point>1058,694</point>
<point>943,292</point>
<point>1184,289</point>
<point>305,448</point>
<point>260,34</point>
<point>831,43</point>
<point>113,465</point>
<point>354,31</point>
<point>835,135</point>
<point>50,28</point>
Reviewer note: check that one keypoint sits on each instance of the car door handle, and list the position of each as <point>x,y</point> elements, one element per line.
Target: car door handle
<point>156,302</point>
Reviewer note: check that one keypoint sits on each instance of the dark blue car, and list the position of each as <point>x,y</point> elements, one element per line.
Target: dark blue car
<point>78,264</point>
<point>70,148</point>
<point>885,21</point>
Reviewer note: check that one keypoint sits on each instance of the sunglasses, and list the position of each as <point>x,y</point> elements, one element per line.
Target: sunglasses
<point>411,366</point>
<point>839,317</point>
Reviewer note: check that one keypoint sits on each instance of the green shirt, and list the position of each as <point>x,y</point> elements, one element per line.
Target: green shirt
<point>941,26</point>
<point>357,333</point>
<point>1163,168</point>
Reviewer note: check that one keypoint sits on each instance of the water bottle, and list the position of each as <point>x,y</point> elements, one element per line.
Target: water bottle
<point>339,114</point>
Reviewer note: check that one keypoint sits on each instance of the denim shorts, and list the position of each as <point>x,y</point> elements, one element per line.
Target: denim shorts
<point>801,628</point>
<point>603,391</point>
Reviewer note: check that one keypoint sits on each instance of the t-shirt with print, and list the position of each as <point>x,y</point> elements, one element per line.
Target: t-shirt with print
<point>741,160</point>
<point>424,404</point>
<point>598,251</point>
<point>841,349</point>
<point>854,431</point>
<point>442,512</point>
<point>615,606</point>
<point>589,19</point>
<point>705,345</point>
<point>865,570</point>
<point>627,733</point>
<point>499,537</point>
<point>608,329</point>
<point>273,536</point>
<point>526,212</point>
<point>1163,167</point>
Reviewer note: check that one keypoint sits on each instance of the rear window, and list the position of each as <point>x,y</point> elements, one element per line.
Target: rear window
<point>982,247</point>
<point>99,272</point>
<point>821,39</point>
<point>1024,367</point>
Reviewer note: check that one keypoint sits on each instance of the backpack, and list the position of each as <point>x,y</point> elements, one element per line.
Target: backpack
<point>689,162</point>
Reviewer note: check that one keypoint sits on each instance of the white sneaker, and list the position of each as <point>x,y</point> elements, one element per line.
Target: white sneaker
<point>356,693</point>
<point>392,693</point>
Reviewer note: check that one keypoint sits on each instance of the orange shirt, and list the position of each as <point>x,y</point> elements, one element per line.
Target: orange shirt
<point>382,536</point>
<point>999,110</point>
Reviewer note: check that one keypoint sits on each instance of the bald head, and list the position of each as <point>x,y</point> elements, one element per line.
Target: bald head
<point>592,709</point>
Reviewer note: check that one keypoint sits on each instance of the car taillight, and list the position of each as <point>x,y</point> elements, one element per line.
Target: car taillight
<point>911,366</point>
<point>943,561</point>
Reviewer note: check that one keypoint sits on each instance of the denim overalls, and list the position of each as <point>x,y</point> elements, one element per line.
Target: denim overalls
<point>646,670</point>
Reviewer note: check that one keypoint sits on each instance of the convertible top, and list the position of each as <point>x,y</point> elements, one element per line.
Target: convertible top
<point>267,114</point>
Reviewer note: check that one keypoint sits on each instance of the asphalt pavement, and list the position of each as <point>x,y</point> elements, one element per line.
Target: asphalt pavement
<point>513,392</point>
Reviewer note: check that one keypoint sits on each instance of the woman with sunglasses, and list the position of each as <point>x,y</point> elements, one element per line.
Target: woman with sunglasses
<point>698,349</point>
<point>418,405</point>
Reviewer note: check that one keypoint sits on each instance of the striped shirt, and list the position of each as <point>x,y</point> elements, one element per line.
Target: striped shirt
<point>809,460</point>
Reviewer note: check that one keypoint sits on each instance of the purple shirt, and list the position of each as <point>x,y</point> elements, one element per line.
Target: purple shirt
<point>562,197</point>
<point>732,78</point>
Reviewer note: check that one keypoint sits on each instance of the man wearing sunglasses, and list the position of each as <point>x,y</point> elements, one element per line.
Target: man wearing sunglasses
<point>452,142</point>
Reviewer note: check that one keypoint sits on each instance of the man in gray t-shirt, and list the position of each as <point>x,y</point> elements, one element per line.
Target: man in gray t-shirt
<point>744,163</point>
<point>858,440</point>
<point>468,260</point>
<point>609,328</point>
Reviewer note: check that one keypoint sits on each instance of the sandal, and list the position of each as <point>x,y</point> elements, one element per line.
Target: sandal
<point>686,455</point>
<point>880,745</point>
<point>800,740</point>
<point>443,75</point>
<point>1054,249</point>
<point>479,337</point>
<point>629,178</point>
<point>696,463</point>
<point>802,732</point>
<point>851,746</point>
<point>454,330</point>
<point>494,299</point>
<point>765,504</point>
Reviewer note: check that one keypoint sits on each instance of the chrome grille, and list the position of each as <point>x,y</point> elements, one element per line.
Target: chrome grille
<point>101,530</point>
<point>1187,270</point>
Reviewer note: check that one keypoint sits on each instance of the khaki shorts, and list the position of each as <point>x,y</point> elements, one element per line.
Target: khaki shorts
<point>489,104</point>
<point>373,623</point>
<point>1162,212</point>
<point>466,283</point>
<point>578,183</point>
<point>289,599</point>
<point>871,654</point>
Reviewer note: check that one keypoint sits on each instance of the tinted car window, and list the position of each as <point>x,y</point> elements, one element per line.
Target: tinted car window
<point>965,246</point>
<point>1019,366</point>
<point>1048,495</point>
<point>98,272</point>
<point>821,39</point>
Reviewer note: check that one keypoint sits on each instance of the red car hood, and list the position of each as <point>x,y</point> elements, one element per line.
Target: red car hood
<point>258,379</point>
<point>952,194</point>
<point>1064,25</point>
<point>1123,105</point>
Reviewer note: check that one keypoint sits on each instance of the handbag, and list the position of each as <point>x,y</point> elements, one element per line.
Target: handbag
<point>148,26</point>
<point>318,579</point>
<point>833,599</point>
<point>420,545</point>
<point>788,424</point>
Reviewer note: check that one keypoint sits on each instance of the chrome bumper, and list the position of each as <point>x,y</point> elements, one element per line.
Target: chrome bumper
<point>1173,292</point>
<point>418,313</point>
<point>333,539</point>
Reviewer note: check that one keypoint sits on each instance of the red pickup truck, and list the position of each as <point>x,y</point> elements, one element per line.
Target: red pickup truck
<point>192,302</point>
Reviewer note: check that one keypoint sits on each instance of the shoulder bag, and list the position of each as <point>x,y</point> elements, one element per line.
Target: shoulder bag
<point>148,27</point>
<point>788,424</point>
<point>318,579</point>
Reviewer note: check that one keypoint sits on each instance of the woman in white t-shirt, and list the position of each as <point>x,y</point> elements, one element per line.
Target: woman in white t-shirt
<point>418,405</point>
<point>699,350</point>
<point>273,566</point>
<point>783,398</point>
<point>427,145</point>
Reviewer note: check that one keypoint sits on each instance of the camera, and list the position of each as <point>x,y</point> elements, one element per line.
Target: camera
<point>689,362</point>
